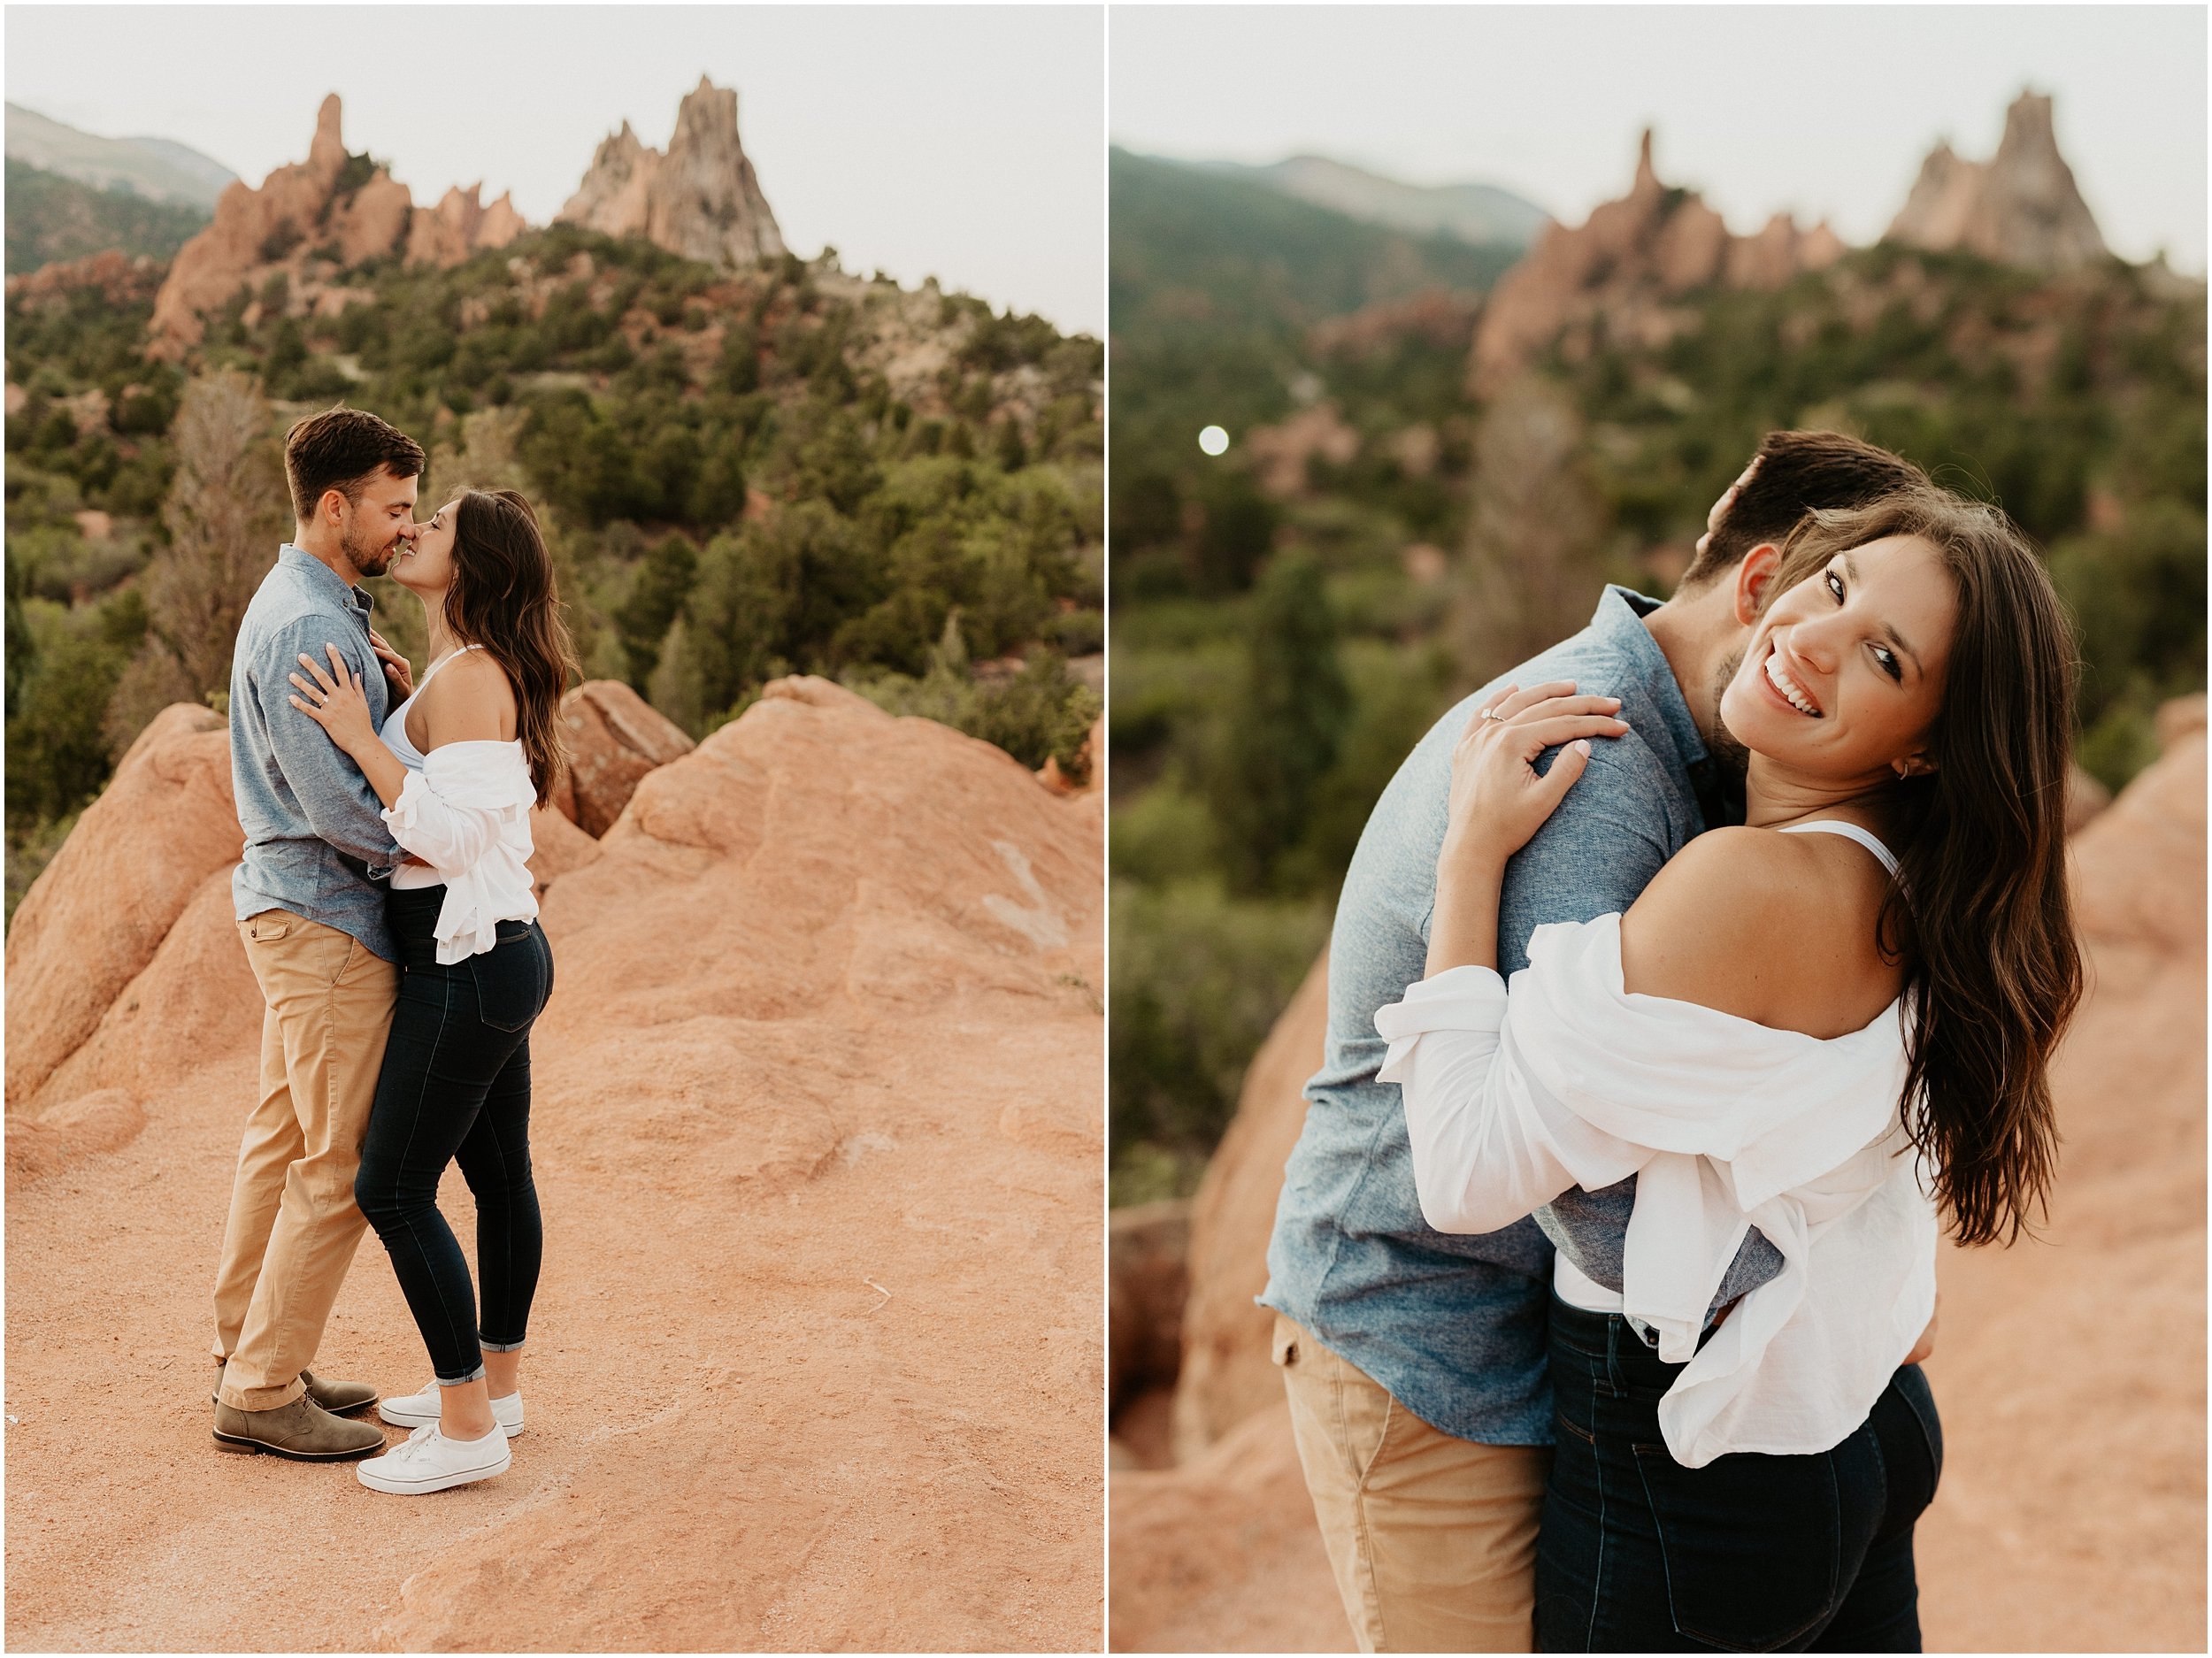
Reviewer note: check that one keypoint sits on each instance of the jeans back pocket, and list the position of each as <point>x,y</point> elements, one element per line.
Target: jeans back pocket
<point>1754,1545</point>
<point>513,979</point>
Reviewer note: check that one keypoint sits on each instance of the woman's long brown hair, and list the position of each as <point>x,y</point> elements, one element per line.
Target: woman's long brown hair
<point>1979,915</point>
<point>504,598</point>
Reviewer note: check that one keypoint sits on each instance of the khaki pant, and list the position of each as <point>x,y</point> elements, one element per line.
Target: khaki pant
<point>293,1221</point>
<point>1433,1539</point>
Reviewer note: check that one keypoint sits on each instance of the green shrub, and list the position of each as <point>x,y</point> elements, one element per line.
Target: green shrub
<point>1199,978</point>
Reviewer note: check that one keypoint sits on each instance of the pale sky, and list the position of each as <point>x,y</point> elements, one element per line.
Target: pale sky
<point>1824,111</point>
<point>958,142</point>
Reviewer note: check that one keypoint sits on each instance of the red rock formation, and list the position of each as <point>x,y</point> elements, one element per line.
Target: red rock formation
<point>94,918</point>
<point>1222,1554</point>
<point>1279,453</point>
<point>303,211</point>
<point>458,227</point>
<point>1146,1250</point>
<point>1226,1373</point>
<point>615,737</point>
<point>2021,207</point>
<point>121,279</point>
<point>1629,264</point>
<point>818,1121</point>
<point>701,199</point>
<point>1436,316</point>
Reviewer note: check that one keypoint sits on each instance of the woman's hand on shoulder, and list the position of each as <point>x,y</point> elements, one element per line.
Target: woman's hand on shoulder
<point>1498,799</point>
<point>331,695</point>
<point>469,701</point>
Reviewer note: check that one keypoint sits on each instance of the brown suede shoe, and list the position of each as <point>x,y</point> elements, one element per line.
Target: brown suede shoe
<point>341,1399</point>
<point>302,1431</point>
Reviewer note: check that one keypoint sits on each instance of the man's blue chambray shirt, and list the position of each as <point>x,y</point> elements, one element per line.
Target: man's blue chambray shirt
<point>316,844</point>
<point>1455,1326</point>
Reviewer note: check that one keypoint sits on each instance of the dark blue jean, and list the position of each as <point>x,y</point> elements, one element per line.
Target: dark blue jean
<point>456,1084</point>
<point>1748,1553</point>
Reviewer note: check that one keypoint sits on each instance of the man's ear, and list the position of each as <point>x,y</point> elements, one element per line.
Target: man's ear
<point>331,508</point>
<point>1753,577</point>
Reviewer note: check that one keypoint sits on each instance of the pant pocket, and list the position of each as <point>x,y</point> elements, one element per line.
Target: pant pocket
<point>512,980</point>
<point>1751,1545</point>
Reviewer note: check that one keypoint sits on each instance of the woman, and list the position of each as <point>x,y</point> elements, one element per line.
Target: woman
<point>459,766</point>
<point>1827,1023</point>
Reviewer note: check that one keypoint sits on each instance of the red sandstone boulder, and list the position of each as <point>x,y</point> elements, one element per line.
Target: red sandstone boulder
<point>614,737</point>
<point>93,920</point>
<point>1146,1250</point>
<point>2135,880</point>
<point>1222,1554</point>
<point>559,844</point>
<point>1227,1372</point>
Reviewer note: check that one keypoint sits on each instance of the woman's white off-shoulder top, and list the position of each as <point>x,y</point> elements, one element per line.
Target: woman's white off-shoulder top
<point>1571,1081</point>
<point>464,810</point>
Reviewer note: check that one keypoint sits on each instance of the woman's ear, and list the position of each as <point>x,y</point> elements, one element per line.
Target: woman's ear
<point>1913,765</point>
<point>1753,577</point>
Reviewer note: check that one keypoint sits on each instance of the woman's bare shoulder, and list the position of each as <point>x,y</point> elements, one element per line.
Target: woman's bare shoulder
<point>1751,922</point>
<point>470,700</point>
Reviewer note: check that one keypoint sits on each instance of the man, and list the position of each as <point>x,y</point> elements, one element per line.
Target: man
<point>310,902</point>
<point>1415,1360</point>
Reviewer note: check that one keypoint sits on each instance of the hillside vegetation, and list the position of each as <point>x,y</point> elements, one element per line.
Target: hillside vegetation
<point>1290,616</point>
<point>51,218</point>
<point>745,474</point>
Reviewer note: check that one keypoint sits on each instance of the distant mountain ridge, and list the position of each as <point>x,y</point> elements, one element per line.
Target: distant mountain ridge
<point>1481,215</point>
<point>1197,246</point>
<point>160,169</point>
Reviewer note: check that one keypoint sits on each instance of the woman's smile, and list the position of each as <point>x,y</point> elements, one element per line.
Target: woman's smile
<point>1787,689</point>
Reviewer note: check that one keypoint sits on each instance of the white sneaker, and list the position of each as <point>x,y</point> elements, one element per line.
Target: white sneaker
<point>430,1461</point>
<point>418,1409</point>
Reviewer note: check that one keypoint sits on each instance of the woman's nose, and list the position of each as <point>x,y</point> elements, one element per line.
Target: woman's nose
<point>1817,644</point>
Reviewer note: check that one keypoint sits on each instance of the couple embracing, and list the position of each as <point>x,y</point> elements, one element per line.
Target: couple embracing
<point>389,917</point>
<point>1682,985</point>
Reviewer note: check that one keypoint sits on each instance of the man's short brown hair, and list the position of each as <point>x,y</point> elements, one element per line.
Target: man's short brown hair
<point>1799,472</point>
<point>343,449</point>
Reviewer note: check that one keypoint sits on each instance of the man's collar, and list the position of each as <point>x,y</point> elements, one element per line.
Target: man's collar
<point>298,558</point>
<point>1619,623</point>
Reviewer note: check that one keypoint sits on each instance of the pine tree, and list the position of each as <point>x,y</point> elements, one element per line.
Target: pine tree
<point>1284,726</point>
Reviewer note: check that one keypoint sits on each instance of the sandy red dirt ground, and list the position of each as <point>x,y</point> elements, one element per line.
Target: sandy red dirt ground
<point>816,1359</point>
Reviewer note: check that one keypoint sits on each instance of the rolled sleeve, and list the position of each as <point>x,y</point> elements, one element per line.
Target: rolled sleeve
<point>1487,1150</point>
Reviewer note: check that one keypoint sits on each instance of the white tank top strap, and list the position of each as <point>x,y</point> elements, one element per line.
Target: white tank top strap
<point>395,728</point>
<point>1849,831</point>
<point>432,673</point>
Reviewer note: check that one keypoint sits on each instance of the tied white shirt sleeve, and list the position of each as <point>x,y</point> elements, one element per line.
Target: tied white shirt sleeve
<point>1567,1079</point>
<point>466,814</point>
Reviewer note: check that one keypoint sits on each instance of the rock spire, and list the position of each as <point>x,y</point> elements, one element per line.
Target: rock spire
<point>1630,263</point>
<point>700,199</point>
<point>320,210</point>
<point>2020,207</point>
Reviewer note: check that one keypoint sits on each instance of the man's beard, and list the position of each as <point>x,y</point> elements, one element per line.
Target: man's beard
<point>368,559</point>
<point>1731,757</point>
